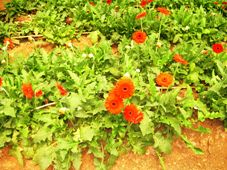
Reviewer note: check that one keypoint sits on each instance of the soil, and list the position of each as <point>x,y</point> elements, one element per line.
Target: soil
<point>214,144</point>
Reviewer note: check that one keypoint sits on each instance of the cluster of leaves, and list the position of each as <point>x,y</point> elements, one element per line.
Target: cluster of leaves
<point>78,121</point>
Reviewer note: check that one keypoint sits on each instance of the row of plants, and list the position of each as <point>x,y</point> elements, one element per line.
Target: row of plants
<point>169,72</point>
<point>115,20</point>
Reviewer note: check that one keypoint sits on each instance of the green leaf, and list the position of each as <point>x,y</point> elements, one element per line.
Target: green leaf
<point>42,134</point>
<point>94,36</point>
<point>5,137</point>
<point>191,146</point>
<point>44,156</point>
<point>146,126</point>
<point>8,110</point>
<point>161,143</point>
<point>86,133</point>
<point>77,160</point>
<point>173,122</point>
<point>74,100</point>
<point>16,152</point>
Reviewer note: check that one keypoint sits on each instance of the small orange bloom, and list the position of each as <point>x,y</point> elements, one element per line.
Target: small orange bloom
<point>68,20</point>
<point>132,114</point>
<point>124,88</point>
<point>164,79</point>
<point>1,80</point>
<point>61,89</point>
<point>92,3</point>
<point>9,42</point>
<point>114,104</point>
<point>143,3</point>
<point>39,93</point>
<point>179,59</point>
<point>28,91</point>
<point>217,48</point>
<point>139,37</point>
<point>163,10</point>
<point>141,15</point>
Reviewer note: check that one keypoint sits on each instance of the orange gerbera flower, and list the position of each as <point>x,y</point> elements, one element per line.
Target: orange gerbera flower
<point>39,93</point>
<point>124,88</point>
<point>132,114</point>
<point>179,59</point>
<point>217,48</point>
<point>139,37</point>
<point>163,10</point>
<point>141,15</point>
<point>61,89</point>
<point>9,42</point>
<point>28,91</point>
<point>114,104</point>
<point>164,79</point>
<point>143,3</point>
<point>1,80</point>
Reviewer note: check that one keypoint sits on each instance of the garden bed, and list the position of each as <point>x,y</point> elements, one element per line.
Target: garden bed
<point>113,85</point>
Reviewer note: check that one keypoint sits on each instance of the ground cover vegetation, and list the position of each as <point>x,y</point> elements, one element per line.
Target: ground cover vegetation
<point>169,72</point>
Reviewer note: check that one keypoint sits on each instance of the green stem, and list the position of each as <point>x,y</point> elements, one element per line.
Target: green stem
<point>161,160</point>
<point>5,91</point>
<point>159,32</point>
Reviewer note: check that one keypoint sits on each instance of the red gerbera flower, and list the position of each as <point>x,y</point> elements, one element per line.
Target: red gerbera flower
<point>124,88</point>
<point>164,79</point>
<point>215,3</point>
<point>9,42</point>
<point>217,48</point>
<point>141,15</point>
<point>28,91</point>
<point>39,93</point>
<point>61,89</point>
<point>114,104</point>
<point>224,3</point>
<point>163,10</point>
<point>108,2</point>
<point>139,37</point>
<point>1,80</point>
<point>179,59</point>
<point>132,114</point>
